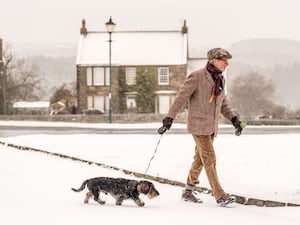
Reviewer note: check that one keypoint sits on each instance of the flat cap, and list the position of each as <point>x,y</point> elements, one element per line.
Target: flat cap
<point>218,53</point>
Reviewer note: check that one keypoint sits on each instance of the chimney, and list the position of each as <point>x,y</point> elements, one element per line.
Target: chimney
<point>184,28</point>
<point>83,30</point>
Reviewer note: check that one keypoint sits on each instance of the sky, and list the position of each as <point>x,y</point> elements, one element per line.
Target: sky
<point>36,187</point>
<point>210,23</point>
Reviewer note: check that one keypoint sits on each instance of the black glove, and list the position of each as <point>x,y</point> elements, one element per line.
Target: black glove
<point>167,123</point>
<point>237,125</point>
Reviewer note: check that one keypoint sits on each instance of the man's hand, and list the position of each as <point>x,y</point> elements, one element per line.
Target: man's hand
<point>237,125</point>
<point>167,123</point>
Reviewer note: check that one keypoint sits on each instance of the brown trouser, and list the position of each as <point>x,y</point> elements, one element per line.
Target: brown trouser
<point>205,157</point>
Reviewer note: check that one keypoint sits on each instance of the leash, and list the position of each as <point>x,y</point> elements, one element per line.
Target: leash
<point>161,131</point>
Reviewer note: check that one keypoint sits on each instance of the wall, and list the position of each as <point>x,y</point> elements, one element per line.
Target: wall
<point>116,118</point>
<point>177,74</point>
<point>129,118</point>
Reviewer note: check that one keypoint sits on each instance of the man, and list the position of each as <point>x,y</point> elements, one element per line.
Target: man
<point>204,91</point>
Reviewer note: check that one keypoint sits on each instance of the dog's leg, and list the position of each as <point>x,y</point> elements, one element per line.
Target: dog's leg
<point>97,197</point>
<point>139,202</point>
<point>119,200</point>
<point>101,202</point>
<point>87,197</point>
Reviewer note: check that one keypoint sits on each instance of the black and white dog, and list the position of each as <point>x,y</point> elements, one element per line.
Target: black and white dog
<point>119,188</point>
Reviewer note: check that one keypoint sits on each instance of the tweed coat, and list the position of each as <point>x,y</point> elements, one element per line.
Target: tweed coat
<point>203,116</point>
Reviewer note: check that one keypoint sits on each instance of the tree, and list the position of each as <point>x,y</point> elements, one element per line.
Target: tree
<point>65,94</point>
<point>19,80</point>
<point>24,82</point>
<point>145,88</point>
<point>5,65</point>
<point>252,95</point>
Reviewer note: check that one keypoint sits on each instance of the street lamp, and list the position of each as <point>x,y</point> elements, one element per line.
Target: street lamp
<point>110,27</point>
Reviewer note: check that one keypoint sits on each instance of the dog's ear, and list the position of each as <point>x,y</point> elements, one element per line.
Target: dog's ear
<point>144,187</point>
<point>132,185</point>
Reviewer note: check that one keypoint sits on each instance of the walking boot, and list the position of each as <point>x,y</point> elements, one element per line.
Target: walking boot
<point>225,201</point>
<point>189,196</point>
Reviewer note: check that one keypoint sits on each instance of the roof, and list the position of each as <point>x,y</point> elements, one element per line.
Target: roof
<point>133,48</point>
<point>38,104</point>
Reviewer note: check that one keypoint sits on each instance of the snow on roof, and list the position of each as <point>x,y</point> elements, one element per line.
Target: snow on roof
<point>133,48</point>
<point>38,104</point>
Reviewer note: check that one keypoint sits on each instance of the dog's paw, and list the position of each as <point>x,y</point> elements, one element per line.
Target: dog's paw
<point>140,203</point>
<point>101,202</point>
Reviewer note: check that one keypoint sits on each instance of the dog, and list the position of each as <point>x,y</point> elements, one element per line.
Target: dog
<point>119,188</point>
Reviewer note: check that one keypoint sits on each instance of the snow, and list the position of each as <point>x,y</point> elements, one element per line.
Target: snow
<point>37,104</point>
<point>141,48</point>
<point>35,187</point>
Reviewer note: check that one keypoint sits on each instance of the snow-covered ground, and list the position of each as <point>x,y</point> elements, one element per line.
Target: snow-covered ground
<point>35,188</point>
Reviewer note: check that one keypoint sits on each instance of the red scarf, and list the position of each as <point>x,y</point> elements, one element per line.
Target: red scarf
<point>218,78</point>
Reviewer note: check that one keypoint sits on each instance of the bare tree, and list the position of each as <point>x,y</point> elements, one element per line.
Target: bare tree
<point>63,100</point>
<point>64,93</point>
<point>20,80</point>
<point>252,95</point>
<point>7,61</point>
<point>24,85</point>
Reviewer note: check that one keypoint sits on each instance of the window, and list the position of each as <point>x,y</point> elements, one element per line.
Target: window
<point>97,76</point>
<point>97,102</point>
<point>89,76</point>
<point>163,76</point>
<point>130,75</point>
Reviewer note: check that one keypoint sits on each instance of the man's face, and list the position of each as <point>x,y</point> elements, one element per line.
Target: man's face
<point>220,64</point>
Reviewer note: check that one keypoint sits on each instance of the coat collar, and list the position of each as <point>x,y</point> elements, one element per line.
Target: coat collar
<point>209,77</point>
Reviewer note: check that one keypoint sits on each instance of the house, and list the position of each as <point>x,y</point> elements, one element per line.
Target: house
<point>147,69</point>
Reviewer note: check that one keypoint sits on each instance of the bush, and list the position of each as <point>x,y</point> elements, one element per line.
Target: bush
<point>93,112</point>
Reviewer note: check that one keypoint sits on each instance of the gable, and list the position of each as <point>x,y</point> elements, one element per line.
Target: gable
<point>133,48</point>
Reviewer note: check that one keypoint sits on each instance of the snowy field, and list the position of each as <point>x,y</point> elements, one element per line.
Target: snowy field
<point>35,188</point>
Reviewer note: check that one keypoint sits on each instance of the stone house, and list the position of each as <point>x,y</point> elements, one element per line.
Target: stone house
<point>162,56</point>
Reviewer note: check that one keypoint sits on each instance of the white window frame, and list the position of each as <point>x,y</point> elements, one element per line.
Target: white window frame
<point>163,76</point>
<point>107,76</point>
<point>99,103</point>
<point>98,75</point>
<point>89,76</point>
<point>130,75</point>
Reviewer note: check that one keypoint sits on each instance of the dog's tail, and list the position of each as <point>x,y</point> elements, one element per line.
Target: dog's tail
<point>81,187</point>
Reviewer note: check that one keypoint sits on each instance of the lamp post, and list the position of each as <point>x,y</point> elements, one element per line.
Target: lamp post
<point>110,27</point>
